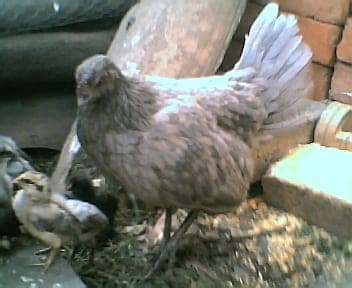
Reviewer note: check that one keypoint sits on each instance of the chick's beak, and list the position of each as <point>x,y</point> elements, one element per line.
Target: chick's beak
<point>16,184</point>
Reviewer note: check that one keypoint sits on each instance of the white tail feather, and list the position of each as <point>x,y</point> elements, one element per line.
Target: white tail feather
<point>279,55</point>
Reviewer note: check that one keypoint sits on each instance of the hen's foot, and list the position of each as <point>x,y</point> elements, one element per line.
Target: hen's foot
<point>168,251</point>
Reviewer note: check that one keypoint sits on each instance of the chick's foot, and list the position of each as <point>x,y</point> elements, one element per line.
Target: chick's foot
<point>49,260</point>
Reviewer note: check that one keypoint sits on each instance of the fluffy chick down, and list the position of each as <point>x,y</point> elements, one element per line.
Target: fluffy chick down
<point>52,218</point>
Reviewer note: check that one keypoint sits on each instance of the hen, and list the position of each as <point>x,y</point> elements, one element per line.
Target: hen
<point>187,143</point>
<point>13,162</point>
<point>52,218</point>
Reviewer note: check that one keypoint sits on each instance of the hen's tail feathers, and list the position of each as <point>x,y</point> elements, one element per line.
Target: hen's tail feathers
<point>279,55</point>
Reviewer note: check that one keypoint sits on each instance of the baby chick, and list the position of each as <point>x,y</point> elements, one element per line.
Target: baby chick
<point>52,218</point>
<point>8,220</point>
<point>13,162</point>
<point>19,161</point>
<point>82,188</point>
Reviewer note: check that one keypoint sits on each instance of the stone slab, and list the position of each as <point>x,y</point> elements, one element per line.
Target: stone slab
<point>15,271</point>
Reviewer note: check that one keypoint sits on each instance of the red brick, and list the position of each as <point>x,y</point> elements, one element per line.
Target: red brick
<point>341,85</point>
<point>329,11</point>
<point>322,39</point>
<point>321,77</point>
<point>344,49</point>
<point>248,17</point>
<point>232,55</point>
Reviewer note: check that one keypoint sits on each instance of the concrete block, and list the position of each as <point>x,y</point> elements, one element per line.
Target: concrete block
<point>314,182</point>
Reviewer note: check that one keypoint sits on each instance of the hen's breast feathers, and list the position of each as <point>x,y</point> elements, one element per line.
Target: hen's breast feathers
<point>193,163</point>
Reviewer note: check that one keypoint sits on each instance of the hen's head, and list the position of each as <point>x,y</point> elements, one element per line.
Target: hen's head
<point>95,77</point>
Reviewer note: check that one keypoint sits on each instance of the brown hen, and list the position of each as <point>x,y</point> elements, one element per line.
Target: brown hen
<point>187,143</point>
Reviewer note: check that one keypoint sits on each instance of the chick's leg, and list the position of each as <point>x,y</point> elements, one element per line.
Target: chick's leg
<point>54,242</point>
<point>42,251</point>
<point>170,248</point>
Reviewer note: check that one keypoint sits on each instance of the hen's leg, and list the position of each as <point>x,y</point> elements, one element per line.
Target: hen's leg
<point>167,228</point>
<point>171,245</point>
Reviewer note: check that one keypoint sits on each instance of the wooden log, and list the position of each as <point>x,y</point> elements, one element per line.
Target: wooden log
<point>334,128</point>
<point>176,38</point>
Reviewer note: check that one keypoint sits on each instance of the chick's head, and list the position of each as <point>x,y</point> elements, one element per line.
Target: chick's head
<point>33,183</point>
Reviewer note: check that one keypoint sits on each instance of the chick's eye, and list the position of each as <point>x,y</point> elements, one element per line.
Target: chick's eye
<point>28,181</point>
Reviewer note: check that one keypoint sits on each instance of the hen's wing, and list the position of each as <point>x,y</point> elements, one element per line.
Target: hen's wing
<point>270,78</point>
<point>233,98</point>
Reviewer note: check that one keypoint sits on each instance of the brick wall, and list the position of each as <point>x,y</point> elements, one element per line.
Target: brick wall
<point>326,27</point>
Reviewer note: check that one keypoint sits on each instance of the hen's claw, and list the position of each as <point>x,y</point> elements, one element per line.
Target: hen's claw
<point>169,250</point>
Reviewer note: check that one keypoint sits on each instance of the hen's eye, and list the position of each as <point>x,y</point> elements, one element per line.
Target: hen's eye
<point>99,83</point>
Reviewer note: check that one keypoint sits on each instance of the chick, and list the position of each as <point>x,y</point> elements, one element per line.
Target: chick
<point>82,188</point>
<point>53,219</point>
<point>13,161</point>
<point>9,224</point>
<point>19,161</point>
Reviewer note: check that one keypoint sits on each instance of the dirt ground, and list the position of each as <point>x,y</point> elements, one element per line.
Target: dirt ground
<point>258,246</point>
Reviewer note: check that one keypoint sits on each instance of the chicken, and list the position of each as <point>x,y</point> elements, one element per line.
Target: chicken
<point>19,161</point>
<point>53,219</point>
<point>186,143</point>
<point>13,161</point>
<point>8,223</point>
<point>82,188</point>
